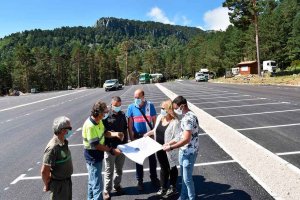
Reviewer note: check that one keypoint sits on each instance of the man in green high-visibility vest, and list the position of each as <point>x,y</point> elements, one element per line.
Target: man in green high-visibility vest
<point>57,165</point>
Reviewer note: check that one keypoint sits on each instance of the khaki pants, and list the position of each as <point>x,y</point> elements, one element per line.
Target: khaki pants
<point>113,166</point>
<point>61,189</point>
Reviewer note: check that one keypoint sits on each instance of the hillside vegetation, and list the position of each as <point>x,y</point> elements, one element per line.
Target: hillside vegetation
<point>112,48</point>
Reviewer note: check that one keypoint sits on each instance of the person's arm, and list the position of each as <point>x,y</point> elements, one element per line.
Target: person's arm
<point>46,175</point>
<point>149,133</point>
<point>153,114</point>
<point>130,128</point>
<point>185,140</point>
<point>111,134</point>
<point>154,120</point>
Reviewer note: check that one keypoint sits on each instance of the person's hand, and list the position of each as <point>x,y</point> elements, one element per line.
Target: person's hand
<point>46,188</point>
<point>120,135</point>
<point>166,147</point>
<point>117,152</point>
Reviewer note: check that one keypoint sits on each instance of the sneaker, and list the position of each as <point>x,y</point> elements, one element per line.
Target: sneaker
<point>161,192</point>
<point>155,182</point>
<point>119,190</point>
<point>171,191</point>
<point>106,196</point>
<point>140,186</point>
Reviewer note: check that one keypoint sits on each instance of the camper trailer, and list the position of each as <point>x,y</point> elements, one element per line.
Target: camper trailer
<point>269,66</point>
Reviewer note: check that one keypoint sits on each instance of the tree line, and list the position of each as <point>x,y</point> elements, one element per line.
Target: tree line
<point>114,48</point>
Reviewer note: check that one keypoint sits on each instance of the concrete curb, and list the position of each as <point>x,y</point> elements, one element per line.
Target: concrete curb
<point>277,176</point>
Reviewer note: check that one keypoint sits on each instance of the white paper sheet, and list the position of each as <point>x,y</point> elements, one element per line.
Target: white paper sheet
<point>140,149</point>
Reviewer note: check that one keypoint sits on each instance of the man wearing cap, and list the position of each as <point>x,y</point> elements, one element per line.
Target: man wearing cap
<point>57,165</point>
<point>93,134</point>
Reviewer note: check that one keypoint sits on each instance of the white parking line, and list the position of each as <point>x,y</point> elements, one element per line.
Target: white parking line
<point>247,105</point>
<point>219,97</point>
<point>23,176</point>
<point>264,127</point>
<point>75,145</point>
<point>261,113</point>
<point>231,101</point>
<point>27,104</point>
<point>288,153</point>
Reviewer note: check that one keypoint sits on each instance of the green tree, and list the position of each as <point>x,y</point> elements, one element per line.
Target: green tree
<point>243,13</point>
<point>24,66</point>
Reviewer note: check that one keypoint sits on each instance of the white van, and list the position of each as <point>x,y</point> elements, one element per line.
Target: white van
<point>269,66</point>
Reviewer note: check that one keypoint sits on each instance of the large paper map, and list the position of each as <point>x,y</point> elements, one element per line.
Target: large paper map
<point>140,149</point>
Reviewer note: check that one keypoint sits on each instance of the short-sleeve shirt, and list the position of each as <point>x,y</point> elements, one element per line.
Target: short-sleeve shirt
<point>140,125</point>
<point>189,122</point>
<point>116,122</point>
<point>57,155</point>
<point>93,134</point>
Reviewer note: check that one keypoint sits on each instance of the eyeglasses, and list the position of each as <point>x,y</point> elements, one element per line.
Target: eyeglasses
<point>69,128</point>
<point>162,108</point>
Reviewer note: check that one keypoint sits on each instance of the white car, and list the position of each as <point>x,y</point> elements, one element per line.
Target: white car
<point>112,84</point>
<point>200,77</point>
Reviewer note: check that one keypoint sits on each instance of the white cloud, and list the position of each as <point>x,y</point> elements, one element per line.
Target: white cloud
<point>156,14</point>
<point>216,19</point>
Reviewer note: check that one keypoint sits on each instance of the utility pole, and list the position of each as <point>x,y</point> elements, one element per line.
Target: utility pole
<point>256,37</point>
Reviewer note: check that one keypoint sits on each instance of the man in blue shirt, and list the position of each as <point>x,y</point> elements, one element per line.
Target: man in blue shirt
<point>137,127</point>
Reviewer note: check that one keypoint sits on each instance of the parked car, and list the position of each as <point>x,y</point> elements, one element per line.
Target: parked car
<point>112,84</point>
<point>200,77</point>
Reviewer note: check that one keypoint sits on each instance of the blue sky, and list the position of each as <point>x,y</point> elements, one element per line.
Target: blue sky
<point>20,15</point>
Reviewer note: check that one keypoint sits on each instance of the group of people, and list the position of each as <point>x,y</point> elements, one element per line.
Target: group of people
<point>176,128</point>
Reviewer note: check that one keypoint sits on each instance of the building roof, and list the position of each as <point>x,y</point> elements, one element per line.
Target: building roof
<point>246,62</point>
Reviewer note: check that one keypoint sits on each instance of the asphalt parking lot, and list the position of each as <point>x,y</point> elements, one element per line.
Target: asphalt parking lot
<point>216,174</point>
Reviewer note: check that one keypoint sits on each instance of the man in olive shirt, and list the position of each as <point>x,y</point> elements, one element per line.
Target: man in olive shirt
<point>57,165</point>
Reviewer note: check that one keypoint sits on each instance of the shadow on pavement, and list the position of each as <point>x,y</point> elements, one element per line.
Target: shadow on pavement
<point>218,191</point>
<point>204,190</point>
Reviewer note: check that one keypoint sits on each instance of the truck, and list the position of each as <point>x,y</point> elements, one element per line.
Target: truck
<point>144,78</point>
<point>269,66</point>
<point>205,72</point>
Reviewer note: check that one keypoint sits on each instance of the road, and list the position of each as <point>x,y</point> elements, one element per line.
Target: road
<point>268,115</point>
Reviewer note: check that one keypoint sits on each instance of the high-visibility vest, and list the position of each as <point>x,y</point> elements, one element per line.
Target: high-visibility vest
<point>92,133</point>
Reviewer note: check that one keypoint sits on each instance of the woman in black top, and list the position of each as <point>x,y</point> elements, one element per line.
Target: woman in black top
<point>166,128</point>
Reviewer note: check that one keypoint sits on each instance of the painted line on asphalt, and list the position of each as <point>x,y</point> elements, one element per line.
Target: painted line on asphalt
<point>219,97</point>
<point>265,127</point>
<point>23,177</point>
<point>75,145</point>
<point>278,177</point>
<point>260,113</point>
<point>27,104</point>
<point>6,188</point>
<point>288,153</point>
<point>234,100</point>
<point>247,105</point>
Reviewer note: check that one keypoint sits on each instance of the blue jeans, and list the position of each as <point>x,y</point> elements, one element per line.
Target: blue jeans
<point>152,166</point>
<point>186,170</point>
<point>95,185</point>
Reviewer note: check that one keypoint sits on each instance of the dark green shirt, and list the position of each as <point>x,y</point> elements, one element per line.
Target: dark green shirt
<point>57,155</point>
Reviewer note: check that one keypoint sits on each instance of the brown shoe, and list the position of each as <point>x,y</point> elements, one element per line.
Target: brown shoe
<point>106,196</point>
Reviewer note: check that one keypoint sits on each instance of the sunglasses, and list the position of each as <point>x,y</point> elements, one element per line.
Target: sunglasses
<point>69,128</point>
